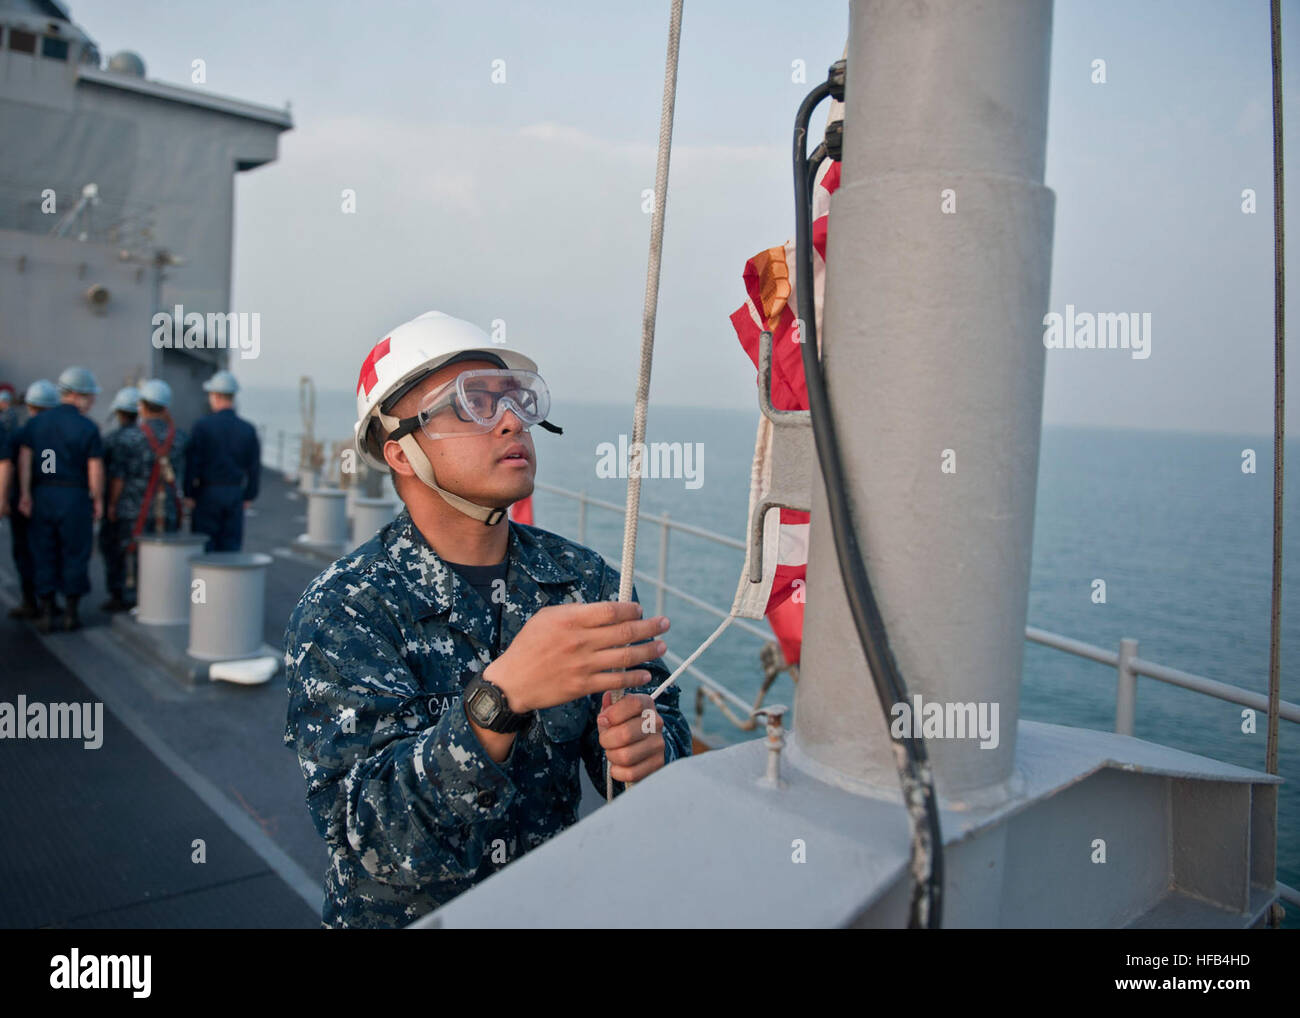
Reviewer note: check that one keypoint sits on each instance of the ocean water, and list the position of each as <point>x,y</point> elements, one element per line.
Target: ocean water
<point>1181,536</point>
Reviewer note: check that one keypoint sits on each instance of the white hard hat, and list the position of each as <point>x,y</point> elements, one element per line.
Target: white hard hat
<point>79,380</point>
<point>396,364</point>
<point>223,382</point>
<point>157,392</point>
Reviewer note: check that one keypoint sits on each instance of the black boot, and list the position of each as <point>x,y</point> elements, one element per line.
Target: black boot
<point>46,617</point>
<point>26,610</point>
<point>115,603</point>
<point>72,622</point>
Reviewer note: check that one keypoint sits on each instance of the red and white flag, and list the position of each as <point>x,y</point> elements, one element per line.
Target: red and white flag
<point>770,287</point>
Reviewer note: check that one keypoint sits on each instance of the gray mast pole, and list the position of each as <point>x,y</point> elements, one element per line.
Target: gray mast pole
<point>938,271</point>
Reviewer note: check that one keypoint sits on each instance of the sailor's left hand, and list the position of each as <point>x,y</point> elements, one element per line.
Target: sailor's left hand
<point>631,733</point>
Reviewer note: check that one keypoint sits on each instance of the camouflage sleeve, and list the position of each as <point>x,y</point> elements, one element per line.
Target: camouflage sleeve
<point>416,799</point>
<point>676,730</point>
<point>118,456</point>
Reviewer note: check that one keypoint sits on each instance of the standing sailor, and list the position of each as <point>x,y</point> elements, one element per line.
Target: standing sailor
<point>61,470</point>
<point>223,468</point>
<point>143,490</point>
<point>41,396</point>
<point>450,679</point>
<point>114,530</point>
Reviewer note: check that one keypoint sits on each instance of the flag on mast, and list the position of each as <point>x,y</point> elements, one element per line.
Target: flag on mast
<point>770,283</point>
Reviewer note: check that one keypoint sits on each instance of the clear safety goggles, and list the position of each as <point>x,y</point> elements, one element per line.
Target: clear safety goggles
<point>476,401</point>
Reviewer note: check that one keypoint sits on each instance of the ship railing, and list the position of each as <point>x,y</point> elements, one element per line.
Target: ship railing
<point>285,454</point>
<point>274,452</point>
<point>1126,662</point>
<point>287,451</point>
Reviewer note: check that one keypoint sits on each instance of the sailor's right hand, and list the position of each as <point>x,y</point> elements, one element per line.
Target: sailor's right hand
<point>25,505</point>
<point>568,651</point>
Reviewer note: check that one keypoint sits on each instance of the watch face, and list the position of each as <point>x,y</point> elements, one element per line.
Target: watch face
<point>482,707</point>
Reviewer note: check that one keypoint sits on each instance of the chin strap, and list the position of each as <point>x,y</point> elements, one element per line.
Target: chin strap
<point>424,471</point>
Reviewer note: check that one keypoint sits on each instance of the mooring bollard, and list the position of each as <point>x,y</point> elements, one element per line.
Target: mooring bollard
<point>163,577</point>
<point>228,594</point>
<point>327,521</point>
<point>369,514</point>
<point>306,480</point>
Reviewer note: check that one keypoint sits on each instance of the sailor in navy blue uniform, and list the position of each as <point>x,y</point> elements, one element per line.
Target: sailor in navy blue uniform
<point>223,467</point>
<point>61,470</point>
<point>41,395</point>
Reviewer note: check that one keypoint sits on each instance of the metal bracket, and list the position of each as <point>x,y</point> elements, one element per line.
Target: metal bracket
<point>772,715</point>
<point>791,462</point>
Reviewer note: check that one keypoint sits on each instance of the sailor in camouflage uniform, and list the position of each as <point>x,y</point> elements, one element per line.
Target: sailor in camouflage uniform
<point>133,465</point>
<point>449,680</point>
<point>115,533</point>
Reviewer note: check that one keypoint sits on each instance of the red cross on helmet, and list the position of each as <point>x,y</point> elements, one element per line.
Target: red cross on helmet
<point>397,363</point>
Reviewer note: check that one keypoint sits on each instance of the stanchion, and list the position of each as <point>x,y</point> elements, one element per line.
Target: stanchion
<point>163,577</point>
<point>226,607</point>
<point>327,521</point>
<point>369,514</point>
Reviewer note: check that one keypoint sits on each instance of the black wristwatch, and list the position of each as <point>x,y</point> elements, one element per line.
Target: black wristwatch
<point>487,707</point>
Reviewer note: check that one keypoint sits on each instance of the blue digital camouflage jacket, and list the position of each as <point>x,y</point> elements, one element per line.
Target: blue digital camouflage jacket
<point>132,461</point>
<point>412,808</point>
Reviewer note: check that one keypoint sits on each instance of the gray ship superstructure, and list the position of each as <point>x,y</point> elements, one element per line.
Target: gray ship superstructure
<point>116,202</point>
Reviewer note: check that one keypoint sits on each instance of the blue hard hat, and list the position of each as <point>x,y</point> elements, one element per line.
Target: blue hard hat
<point>222,382</point>
<point>42,393</point>
<point>155,390</point>
<point>78,379</point>
<point>127,399</point>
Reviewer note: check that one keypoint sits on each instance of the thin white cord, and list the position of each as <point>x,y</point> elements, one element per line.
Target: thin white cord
<point>691,660</point>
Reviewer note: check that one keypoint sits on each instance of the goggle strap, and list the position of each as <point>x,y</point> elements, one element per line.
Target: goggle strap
<point>424,471</point>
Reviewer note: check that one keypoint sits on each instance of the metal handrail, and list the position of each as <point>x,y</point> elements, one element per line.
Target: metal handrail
<point>1126,662</point>
<point>685,528</point>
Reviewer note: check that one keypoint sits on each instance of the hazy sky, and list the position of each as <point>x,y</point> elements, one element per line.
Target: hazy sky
<point>522,201</point>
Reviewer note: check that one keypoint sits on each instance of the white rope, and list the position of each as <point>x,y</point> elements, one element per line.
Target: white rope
<point>691,660</point>
<point>648,328</point>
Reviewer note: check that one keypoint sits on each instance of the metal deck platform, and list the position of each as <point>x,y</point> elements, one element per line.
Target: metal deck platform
<point>105,837</point>
<point>102,837</point>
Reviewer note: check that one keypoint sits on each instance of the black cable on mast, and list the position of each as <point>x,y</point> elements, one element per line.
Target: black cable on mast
<point>910,754</point>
